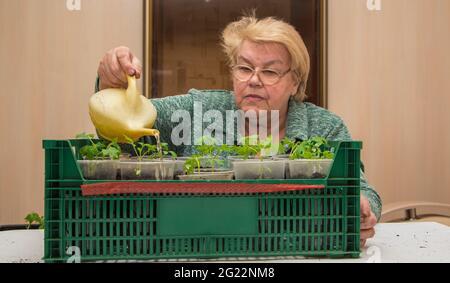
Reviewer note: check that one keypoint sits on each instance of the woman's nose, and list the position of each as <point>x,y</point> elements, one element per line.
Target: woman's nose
<point>255,80</point>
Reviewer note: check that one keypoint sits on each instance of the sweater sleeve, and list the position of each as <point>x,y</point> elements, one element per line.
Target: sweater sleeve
<point>167,119</point>
<point>340,132</point>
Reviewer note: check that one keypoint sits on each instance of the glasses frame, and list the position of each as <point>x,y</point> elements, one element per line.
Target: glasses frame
<point>256,71</point>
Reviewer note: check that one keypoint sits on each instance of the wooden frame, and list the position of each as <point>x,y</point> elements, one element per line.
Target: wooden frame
<point>322,52</point>
<point>148,46</point>
<point>323,76</point>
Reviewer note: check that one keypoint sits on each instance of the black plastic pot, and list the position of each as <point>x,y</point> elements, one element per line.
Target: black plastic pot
<point>18,227</point>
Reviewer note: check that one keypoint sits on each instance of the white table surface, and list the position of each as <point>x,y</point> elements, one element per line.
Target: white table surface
<point>400,242</point>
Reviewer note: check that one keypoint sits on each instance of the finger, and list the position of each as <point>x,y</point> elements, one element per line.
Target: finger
<point>110,76</point>
<point>138,66</point>
<point>125,62</point>
<point>365,207</point>
<point>105,80</point>
<point>117,71</point>
<point>367,234</point>
<point>106,76</point>
<point>106,83</point>
<point>369,222</point>
<point>362,243</point>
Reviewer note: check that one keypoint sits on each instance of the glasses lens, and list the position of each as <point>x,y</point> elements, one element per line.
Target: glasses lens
<point>243,73</point>
<point>269,77</point>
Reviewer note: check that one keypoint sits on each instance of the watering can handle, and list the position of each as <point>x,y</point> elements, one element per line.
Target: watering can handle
<point>132,92</point>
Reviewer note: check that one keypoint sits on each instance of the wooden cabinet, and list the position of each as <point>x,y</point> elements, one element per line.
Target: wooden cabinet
<point>185,41</point>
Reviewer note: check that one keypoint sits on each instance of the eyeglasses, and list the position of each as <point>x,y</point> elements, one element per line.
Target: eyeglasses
<point>268,77</point>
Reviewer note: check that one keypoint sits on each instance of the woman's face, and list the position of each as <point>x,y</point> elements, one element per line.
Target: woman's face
<point>253,94</point>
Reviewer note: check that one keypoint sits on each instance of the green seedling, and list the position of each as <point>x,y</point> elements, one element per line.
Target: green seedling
<point>193,164</point>
<point>33,218</point>
<point>252,146</point>
<point>164,152</point>
<point>313,148</point>
<point>145,151</point>
<point>207,151</point>
<point>99,150</point>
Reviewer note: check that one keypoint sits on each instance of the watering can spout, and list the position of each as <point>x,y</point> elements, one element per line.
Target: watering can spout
<point>122,114</point>
<point>134,135</point>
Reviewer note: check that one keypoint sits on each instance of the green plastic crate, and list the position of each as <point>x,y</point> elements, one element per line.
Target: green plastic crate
<point>319,223</point>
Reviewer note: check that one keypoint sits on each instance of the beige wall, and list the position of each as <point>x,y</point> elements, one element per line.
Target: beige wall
<point>389,78</point>
<point>49,60</point>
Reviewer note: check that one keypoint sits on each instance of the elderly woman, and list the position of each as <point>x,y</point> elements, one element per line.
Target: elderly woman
<point>270,66</point>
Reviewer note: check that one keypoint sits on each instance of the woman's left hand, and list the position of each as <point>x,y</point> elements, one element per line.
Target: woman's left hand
<point>368,221</point>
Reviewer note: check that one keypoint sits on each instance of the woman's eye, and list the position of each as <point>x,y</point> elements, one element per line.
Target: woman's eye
<point>270,73</point>
<point>244,69</point>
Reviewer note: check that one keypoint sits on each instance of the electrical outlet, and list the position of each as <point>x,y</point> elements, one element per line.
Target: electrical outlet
<point>73,5</point>
<point>374,5</point>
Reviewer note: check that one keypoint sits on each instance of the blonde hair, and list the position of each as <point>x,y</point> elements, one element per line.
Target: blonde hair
<point>274,31</point>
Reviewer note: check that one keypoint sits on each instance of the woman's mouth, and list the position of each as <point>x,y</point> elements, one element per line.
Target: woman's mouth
<point>253,98</point>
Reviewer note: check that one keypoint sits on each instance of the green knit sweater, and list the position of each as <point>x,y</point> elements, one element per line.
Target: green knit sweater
<point>305,120</point>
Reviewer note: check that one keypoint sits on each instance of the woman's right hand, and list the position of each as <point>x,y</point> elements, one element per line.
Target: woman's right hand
<point>115,65</point>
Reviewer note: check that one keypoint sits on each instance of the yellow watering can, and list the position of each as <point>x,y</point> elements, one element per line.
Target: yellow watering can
<point>120,113</point>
